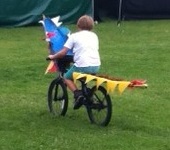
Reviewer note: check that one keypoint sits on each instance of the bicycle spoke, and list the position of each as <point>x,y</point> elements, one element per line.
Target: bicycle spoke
<point>57,98</point>
<point>100,109</point>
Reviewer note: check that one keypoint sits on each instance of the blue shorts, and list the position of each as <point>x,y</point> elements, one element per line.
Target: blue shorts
<point>88,70</point>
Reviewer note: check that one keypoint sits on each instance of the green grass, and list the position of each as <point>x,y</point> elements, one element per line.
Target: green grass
<point>141,117</point>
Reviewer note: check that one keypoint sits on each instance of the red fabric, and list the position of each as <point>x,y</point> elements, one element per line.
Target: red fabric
<point>137,82</point>
<point>51,68</point>
<point>50,34</point>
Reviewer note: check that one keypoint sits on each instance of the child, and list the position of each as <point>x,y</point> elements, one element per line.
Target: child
<point>85,45</point>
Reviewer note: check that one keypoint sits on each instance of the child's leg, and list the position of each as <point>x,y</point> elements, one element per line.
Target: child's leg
<point>70,85</point>
<point>77,93</point>
<point>69,79</point>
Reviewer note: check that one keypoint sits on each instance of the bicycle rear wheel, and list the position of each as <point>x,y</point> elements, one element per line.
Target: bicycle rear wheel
<point>99,108</point>
<point>57,97</point>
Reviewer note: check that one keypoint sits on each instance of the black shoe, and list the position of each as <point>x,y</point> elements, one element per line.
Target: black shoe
<point>78,102</point>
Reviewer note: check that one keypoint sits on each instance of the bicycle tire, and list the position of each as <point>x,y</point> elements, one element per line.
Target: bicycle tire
<point>57,97</point>
<point>99,108</point>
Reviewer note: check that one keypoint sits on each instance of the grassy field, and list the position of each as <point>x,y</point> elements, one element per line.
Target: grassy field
<point>141,117</point>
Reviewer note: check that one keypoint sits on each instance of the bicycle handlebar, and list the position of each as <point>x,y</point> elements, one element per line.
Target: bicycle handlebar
<point>48,58</point>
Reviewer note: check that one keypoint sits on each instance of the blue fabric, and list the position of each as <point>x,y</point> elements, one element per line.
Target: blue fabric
<point>58,36</point>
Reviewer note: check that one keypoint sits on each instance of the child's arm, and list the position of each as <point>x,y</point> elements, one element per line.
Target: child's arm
<point>59,54</point>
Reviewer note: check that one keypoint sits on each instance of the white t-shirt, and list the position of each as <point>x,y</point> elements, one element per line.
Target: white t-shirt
<point>85,45</point>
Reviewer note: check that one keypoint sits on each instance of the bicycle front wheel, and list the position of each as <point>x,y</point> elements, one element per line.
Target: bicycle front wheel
<point>100,106</point>
<point>57,97</point>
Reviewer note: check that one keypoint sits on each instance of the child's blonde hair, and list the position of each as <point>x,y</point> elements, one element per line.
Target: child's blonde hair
<point>85,23</point>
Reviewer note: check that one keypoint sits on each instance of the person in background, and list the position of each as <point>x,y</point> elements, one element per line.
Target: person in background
<point>97,18</point>
<point>85,46</point>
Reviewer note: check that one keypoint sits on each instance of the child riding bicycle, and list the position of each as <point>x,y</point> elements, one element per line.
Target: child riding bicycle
<point>85,46</point>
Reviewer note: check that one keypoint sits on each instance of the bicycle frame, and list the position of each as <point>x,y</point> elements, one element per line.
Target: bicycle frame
<point>85,90</point>
<point>96,100</point>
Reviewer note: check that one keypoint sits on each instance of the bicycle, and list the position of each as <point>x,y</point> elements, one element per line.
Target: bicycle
<point>96,100</point>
